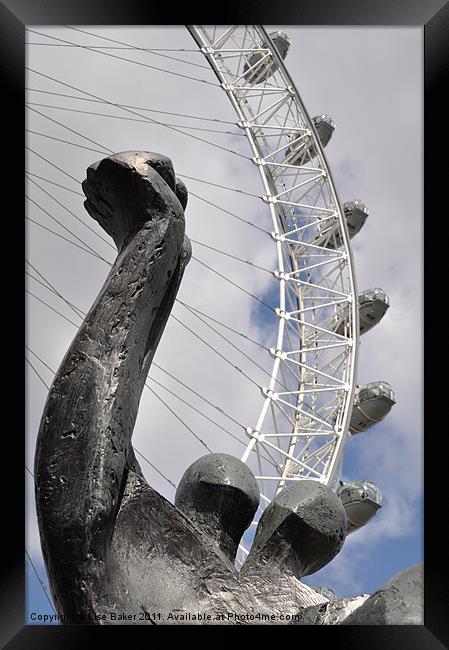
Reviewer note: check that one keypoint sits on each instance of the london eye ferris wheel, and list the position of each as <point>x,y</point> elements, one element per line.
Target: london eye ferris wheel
<point>305,399</point>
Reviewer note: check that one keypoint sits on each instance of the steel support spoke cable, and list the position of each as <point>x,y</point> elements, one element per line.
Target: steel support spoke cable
<point>122,58</point>
<point>50,287</point>
<point>64,126</point>
<point>146,385</point>
<point>137,108</point>
<point>178,397</point>
<point>106,150</point>
<point>86,225</point>
<point>135,119</point>
<point>220,410</point>
<point>93,251</point>
<point>65,239</point>
<point>193,257</point>
<point>219,322</point>
<point>197,196</point>
<point>248,293</point>
<point>234,257</point>
<point>180,419</point>
<point>72,144</point>
<point>204,399</point>
<point>97,256</point>
<point>223,187</point>
<point>107,47</point>
<point>41,582</point>
<point>63,187</point>
<point>139,49</point>
<point>53,165</point>
<point>232,214</point>
<point>52,308</point>
<point>48,388</point>
<point>242,372</point>
<point>228,341</point>
<point>239,440</point>
<point>195,137</point>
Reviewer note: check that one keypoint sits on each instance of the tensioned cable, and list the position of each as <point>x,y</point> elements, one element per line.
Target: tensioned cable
<point>62,237</point>
<point>134,119</point>
<point>216,250</point>
<point>122,58</point>
<point>79,312</point>
<point>223,187</point>
<point>219,322</point>
<point>73,144</point>
<point>270,462</point>
<point>106,47</point>
<point>234,346</point>
<point>262,302</point>
<point>195,137</point>
<point>154,380</point>
<point>48,388</point>
<point>184,305</point>
<point>197,196</point>
<point>110,151</point>
<point>137,48</point>
<point>40,377</point>
<point>234,284</point>
<point>178,418</point>
<point>197,411</point>
<point>214,205</point>
<point>137,108</point>
<point>228,341</point>
<point>63,187</point>
<point>41,582</point>
<point>216,351</point>
<point>51,119</point>
<point>220,410</point>
<point>73,214</point>
<point>52,308</point>
<point>93,251</point>
<point>52,164</point>
<point>149,387</point>
<point>234,257</point>
<point>191,193</point>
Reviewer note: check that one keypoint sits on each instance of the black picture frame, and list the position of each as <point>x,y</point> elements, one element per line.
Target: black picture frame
<point>433,16</point>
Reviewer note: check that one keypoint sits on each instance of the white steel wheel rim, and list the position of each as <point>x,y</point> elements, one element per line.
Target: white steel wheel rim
<point>308,350</point>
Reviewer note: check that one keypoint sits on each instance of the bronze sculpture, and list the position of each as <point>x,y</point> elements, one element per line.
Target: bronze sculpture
<point>115,550</point>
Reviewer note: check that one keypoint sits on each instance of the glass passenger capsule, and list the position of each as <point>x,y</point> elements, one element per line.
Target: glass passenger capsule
<point>324,126</point>
<point>302,150</point>
<point>373,304</point>
<point>361,500</point>
<point>355,213</point>
<point>372,403</point>
<point>327,592</point>
<point>255,72</point>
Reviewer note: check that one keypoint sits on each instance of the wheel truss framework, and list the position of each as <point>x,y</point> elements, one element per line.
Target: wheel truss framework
<point>303,423</point>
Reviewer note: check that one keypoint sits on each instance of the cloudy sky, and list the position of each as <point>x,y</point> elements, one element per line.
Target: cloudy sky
<point>370,81</point>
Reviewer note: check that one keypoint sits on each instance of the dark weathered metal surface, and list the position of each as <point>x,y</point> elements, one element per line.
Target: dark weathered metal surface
<point>399,602</point>
<point>220,495</point>
<point>115,550</point>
